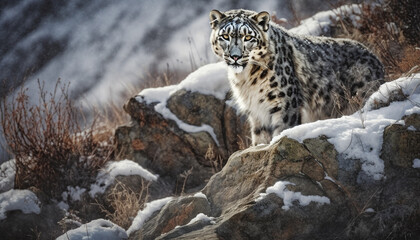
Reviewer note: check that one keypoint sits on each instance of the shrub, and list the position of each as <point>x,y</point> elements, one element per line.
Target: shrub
<point>390,29</point>
<point>50,147</point>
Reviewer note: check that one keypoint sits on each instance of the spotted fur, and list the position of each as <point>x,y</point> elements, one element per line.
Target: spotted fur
<point>281,80</point>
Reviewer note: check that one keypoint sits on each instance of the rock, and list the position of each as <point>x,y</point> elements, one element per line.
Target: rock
<point>159,145</point>
<point>173,215</point>
<point>319,199</point>
<point>402,145</point>
<point>44,225</point>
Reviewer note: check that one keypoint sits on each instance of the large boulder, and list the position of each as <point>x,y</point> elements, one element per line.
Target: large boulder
<point>292,190</point>
<point>178,156</point>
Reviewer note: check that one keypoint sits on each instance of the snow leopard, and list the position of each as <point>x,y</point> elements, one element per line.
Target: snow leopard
<point>280,79</point>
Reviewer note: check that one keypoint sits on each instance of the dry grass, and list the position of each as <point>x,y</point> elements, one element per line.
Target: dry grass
<point>50,147</point>
<point>125,203</point>
<point>216,161</point>
<point>387,29</point>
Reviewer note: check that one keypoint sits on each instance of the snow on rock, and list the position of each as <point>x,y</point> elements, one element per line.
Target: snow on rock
<point>288,196</point>
<point>318,24</point>
<point>120,168</point>
<point>416,163</point>
<point>99,229</point>
<point>201,217</point>
<point>23,200</point>
<point>200,195</point>
<point>210,79</point>
<point>144,215</point>
<point>359,136</point>
<point>7,175</point>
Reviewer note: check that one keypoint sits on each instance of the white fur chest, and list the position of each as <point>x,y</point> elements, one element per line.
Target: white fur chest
<point>248,96</point>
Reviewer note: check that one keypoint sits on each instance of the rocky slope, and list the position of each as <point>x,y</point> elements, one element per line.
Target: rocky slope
<point>299,190</point>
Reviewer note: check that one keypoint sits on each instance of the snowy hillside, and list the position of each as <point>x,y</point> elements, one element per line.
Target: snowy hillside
<point>102,46</point>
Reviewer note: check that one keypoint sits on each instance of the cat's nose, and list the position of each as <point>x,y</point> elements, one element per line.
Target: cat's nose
<point>235,57</point>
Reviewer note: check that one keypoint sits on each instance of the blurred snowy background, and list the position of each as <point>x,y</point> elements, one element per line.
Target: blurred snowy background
<point>102,47</point>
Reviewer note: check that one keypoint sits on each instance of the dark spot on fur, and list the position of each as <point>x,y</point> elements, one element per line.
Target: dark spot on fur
<point>254,81</point>
<point>274,84</point>
<point>285,119</point>
<point>282,94</point>
<point>327,98</point>
<point>279,61</point>
<point>275,109</point>
<point>272,78</point>
<point>293,119</point>
<point>283,82</point>
<point>294,103</point>
<point>379,75</point>
<point>264,74</point>
<point>329,87</point>
<point>321,93</point>
<point>271,96</point>
<point>287,70</point>
<point>254,69</point>
<point>289,91</point>
<point>291,80</point>
<point>261,100</point>
<point>287,106</point>
<point>261,90</point>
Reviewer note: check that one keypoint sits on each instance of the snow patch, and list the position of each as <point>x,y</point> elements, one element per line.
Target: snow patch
<point>411,128</point>
<point>23,200</point>
<point>319,24</point>
<point>7,175</point>
<point>200,195</point>
<point>121,168</point>
<point>63,205</point>
<point>99,229</point>
<point>359,136</point>
<point>210,79</point>
<point>146,213</point>
<point>369,210</point>
<point>201,217</point>
<point>416,163</point>
<point>288,196</point>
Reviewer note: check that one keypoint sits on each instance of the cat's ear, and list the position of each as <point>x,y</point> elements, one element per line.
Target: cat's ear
<point>215,18</point>
<point>263,18</point>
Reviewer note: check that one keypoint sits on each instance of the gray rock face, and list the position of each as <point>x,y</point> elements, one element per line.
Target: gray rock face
<point>178,156</point>
<point>369,210</point>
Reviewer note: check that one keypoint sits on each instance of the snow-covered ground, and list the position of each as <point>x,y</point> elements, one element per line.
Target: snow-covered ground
<point>23,200</point>
<point>359,136</point>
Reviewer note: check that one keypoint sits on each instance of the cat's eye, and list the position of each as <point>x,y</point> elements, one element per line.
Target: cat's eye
<point>248,37</point>
<point>225,36</point>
